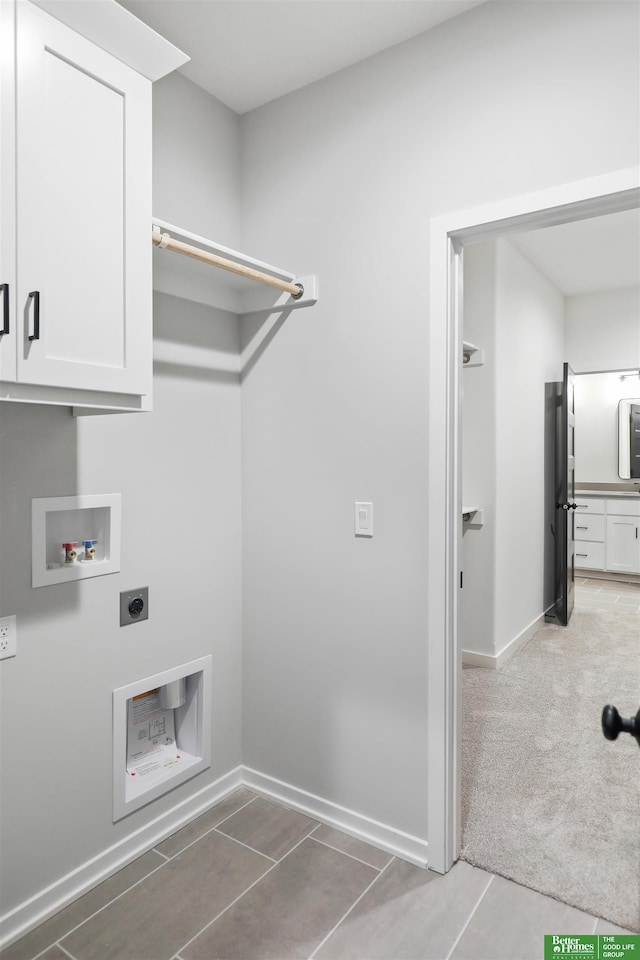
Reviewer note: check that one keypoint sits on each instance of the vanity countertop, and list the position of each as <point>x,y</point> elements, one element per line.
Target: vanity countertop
<point>608,493</point>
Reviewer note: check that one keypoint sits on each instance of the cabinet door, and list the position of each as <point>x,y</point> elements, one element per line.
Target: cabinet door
<point>623,544</point>
<point>589,504</point>
<point>83,212</point>
<point>589,528</point>
<point>589,556</point>
<point>7,195</point>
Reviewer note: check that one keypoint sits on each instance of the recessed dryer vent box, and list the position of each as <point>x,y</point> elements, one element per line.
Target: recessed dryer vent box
<point>157,746</point>
<point>93,520</point>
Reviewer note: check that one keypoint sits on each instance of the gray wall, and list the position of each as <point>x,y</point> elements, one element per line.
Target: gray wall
<point>529,346</point>
<point>341,179</point>
<point>517,315</point>
<point>196,161</point>
<point>597,431</point>
<point>602,330</point>
<point>178,470</point>
<point>479,467</point>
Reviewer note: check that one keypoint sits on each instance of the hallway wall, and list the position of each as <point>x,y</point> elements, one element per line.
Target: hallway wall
<point>477,610</point>
<point>529,353</point>
<point>517,315</point>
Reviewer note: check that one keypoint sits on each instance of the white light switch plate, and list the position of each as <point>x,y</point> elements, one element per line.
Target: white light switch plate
<point>363,519</point>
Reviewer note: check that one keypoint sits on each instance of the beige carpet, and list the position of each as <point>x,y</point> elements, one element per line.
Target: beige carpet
<point>546,800</point>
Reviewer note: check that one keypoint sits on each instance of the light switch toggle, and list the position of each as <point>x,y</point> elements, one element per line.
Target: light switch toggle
<point>363,519</point>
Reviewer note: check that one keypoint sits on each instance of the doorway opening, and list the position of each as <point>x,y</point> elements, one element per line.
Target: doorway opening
<point>450,234</point>
<point>531,725</point>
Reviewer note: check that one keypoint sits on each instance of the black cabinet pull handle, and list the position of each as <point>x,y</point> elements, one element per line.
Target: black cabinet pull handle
<point>4,288</point>
<point>35,296</point>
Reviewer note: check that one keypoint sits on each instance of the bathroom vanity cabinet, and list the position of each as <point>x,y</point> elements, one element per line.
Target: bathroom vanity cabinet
<point>75,203</point>
<point>607,532</point>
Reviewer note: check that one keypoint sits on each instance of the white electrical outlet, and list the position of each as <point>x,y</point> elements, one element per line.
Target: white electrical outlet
<point>8,637</point>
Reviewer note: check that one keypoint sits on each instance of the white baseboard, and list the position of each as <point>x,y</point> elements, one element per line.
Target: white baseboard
<point>474,659</point>
<point>387,838</point>
<point>44,904</point>
<point>585,573</point>
<point>59,894</point>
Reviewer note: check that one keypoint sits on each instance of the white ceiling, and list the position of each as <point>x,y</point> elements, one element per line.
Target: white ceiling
<point>248,52</point>
<point>586,256</point>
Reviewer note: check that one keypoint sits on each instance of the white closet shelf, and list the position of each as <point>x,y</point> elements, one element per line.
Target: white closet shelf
<point>191,279</point>
<point>473,516</point>
<point>472,355</point>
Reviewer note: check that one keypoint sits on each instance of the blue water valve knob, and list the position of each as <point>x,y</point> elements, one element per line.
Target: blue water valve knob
<point>89,549</point>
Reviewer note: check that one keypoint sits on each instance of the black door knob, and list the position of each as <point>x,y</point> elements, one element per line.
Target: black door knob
<point>613,724</point>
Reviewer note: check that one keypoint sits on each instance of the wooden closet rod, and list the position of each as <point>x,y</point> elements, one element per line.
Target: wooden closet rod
<point>167,242</point>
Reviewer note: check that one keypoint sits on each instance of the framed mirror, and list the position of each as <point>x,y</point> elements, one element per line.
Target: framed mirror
<point>629,439</point>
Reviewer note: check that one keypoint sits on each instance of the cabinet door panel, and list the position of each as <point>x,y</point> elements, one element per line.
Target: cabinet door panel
<point>83,121</point>
<point>589,504</point>
<point>83,212</point>
<point>623,544</point>
<point>589,528</point>
<point>628,507</point>
<point>589,556</point>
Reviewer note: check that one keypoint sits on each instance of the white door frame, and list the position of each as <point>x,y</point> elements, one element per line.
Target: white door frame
<point>450,233</point>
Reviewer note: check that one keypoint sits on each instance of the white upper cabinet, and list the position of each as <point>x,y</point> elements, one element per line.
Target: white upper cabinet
<point>80,306</point>
<point>84,203</point>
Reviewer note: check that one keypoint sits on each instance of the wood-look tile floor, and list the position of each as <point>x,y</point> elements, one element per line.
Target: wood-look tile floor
<point>592,594</point>
<point>251,879</point>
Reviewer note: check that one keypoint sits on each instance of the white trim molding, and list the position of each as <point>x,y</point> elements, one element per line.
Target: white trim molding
<point>450,233</point>
<point>120,33</point>
<point>381,835</point>
<point>64,891</point>
<point>495,661</point>
<point>27,915</point>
